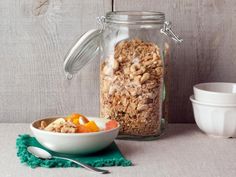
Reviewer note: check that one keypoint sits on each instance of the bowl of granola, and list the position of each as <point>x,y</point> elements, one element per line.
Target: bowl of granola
<point>75,134</point>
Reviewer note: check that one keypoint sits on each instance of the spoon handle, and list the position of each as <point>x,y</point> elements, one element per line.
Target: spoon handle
<point>88,167</point>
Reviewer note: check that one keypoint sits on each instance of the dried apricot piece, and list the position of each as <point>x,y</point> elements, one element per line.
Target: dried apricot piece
<point>75,117</point>
<point>92,126</point>
<point>71,117</point>
<point>111,124</point>
<point>82,129</point>
<point>75,121</point>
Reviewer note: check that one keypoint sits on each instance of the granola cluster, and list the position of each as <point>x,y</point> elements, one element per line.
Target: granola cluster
<point>59,125</point>
<point>131,87</point>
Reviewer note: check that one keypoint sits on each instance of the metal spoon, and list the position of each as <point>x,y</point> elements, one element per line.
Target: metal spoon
<point>41,153</point>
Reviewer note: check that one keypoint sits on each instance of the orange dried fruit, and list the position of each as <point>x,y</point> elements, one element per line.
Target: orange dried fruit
<point>75,121</point>
<point>111,124</point>
<point>82,129</point>
<point>92,126</point>
<point>71,117</point>
<point>75,117</point>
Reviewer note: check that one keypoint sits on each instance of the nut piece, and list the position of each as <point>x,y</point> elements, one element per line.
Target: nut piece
<point>145,77</point>
<point>115,65</point>
<point>142,107</point>
<point>134,67</point>
<point>159,71</point>
<point>107,70</point>
<point>137,79</point>
<point>43,124</point>
<point>66,129</point>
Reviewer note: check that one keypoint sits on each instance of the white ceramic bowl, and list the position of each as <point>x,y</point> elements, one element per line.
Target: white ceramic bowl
<point>215,92</point>
<point>74,143</point>
<point>214,119</point>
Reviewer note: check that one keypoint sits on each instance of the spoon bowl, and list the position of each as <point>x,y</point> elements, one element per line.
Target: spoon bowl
<point>38,152</point>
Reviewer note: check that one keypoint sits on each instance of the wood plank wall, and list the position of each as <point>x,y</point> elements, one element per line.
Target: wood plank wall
<point>35,35</point>
<point>34,38</point>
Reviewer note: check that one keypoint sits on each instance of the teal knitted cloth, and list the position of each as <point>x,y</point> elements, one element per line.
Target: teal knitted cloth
<point>110,156</point>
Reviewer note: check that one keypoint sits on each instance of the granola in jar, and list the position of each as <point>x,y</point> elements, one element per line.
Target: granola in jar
<point>131,84</point>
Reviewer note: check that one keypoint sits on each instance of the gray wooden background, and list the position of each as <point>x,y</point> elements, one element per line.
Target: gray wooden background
<point>35,36</point>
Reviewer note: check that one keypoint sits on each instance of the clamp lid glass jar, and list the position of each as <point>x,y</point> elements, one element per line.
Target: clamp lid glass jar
<point>133,52</point>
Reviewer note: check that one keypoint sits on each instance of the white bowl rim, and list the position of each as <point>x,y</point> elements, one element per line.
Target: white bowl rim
<point>213,92</point>
<point>71,134</point>
<point>192,98</point>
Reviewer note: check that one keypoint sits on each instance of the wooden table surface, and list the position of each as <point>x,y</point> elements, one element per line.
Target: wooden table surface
<point>182,152</point>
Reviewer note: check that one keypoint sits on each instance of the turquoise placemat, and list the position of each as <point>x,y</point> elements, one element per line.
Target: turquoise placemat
<point>110,156</point>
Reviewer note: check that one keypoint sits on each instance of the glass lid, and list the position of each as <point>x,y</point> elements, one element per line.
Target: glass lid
<point>84,50</point>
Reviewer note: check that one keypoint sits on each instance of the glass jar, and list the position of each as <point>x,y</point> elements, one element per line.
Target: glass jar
<point>133,69</point>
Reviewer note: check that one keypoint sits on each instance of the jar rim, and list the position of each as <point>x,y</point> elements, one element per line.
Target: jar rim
<point>135,17</point>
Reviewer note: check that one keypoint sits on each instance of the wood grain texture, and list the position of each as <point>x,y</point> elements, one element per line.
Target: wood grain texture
<point>36,34</point>
<point>208,51</point>
<point>34,38</point>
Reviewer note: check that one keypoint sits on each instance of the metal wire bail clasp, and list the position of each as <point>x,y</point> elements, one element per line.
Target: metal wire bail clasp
<point>101,22</point>
<point>167,31</point>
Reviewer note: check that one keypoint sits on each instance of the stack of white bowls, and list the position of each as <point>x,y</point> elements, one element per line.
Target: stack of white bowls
<point>214,107</point>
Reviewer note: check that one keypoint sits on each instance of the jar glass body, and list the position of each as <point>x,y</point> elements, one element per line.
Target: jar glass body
<point>133,78</point>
